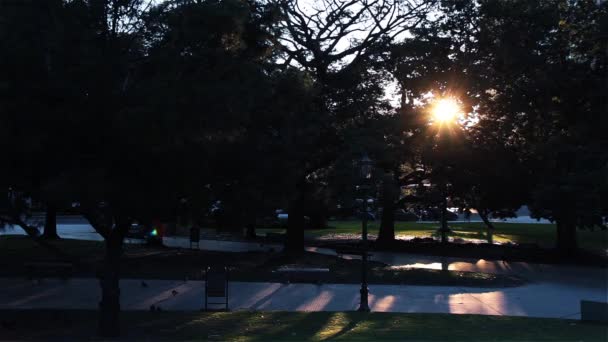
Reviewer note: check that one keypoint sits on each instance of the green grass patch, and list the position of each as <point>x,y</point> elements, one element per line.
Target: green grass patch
<point>175,263</point>
<point>542,234</point>
<point>342,271</point>
<point>20,247</point>
<point>296,326</point>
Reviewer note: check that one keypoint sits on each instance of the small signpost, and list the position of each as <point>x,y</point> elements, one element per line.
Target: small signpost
<point>216,287</point>
<point>195,237</point>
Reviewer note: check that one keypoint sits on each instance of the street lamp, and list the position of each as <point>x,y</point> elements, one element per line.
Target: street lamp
<point>365,168</point>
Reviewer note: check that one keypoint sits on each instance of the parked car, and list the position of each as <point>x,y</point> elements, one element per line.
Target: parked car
<point>136,231</point>
<point>152,234</point>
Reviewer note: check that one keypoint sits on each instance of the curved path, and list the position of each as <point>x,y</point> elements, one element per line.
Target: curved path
<point>539,300</point>
<point>554,291</point>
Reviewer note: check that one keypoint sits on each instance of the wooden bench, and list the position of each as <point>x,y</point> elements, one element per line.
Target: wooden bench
<point>216,288</point>
<point>304,274</point>
<point>49,269</point>
<point>594,311</point>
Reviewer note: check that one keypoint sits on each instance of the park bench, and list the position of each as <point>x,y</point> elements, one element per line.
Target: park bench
<point>47,269</point>
<point>304,274</point>
<point>216,288</point>
<point>594,311</point>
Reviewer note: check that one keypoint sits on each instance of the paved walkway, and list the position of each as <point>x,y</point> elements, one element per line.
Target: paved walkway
<point>555,291</point>
<point>539,300</point>
<point>586,277</point>
<point>580,276</point>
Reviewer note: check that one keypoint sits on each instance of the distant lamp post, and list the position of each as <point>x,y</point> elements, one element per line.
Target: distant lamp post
<point>444,230</point>
<point>445,113</point>
<point>366,166</point>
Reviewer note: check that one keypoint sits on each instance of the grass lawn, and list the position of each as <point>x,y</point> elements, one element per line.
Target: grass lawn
<point>20,247</point>
<point>300,326</point>
<point>174,263</point>
<point>542,234</point>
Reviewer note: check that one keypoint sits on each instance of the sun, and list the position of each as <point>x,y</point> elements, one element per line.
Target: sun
<point>445,110</point>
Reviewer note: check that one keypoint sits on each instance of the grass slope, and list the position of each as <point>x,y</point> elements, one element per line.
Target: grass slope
<point>542,234</point>
<point>174,263</point>
<point>297,326</point>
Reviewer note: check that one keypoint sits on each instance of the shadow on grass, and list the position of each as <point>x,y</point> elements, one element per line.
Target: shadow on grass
<point>78,325</point>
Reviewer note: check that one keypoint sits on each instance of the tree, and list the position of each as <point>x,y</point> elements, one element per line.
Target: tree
<point>421,65</point>
<point>512,65</point>
<point>339,45</point>
<point>50,222</point>
<point>491,180</point>
<point>544,72</point>
<point>128,95</point>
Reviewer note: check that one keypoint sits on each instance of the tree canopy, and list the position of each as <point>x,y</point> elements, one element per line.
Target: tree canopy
<point>132,111</point>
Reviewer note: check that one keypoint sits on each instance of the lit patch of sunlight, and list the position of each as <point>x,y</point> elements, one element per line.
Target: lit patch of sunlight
<point>480,266</point>
<point>460,303</point>
<point>467,303</point>
<point>362,327</point>
<point>462,266</point>
<point>464,232</point>
<point>431,266</point>
<point>318,303</point>
<point>262,297</point>
<point>440,298</point>
<point>384,304</point>
<point>326,251</point>
<point>336,323</point>
<point>495,303</point>
<point>491,266</point>
<point>409,236</point>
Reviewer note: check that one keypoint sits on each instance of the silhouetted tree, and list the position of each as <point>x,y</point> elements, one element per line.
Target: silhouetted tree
<point>544,72</point>
<point>339,45</point>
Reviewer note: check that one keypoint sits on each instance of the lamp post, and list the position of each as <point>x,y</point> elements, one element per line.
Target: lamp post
<point>443,229</point>
<point>365,168</point>
<point>445,113</point>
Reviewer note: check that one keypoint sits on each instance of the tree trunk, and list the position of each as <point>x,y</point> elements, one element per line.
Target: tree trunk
<point>386,233</point>
<point>318,218</point>
<point>566,236</point>
<point>294,244</point>
<point>50,223</point>
<point>34,234</point>
<point>444,217</point>
<point>109,306</point>
<point>490,231</point>
<point>250,231</point>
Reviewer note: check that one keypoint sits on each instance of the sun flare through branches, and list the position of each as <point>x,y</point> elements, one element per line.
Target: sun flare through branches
<point>445,111</point>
